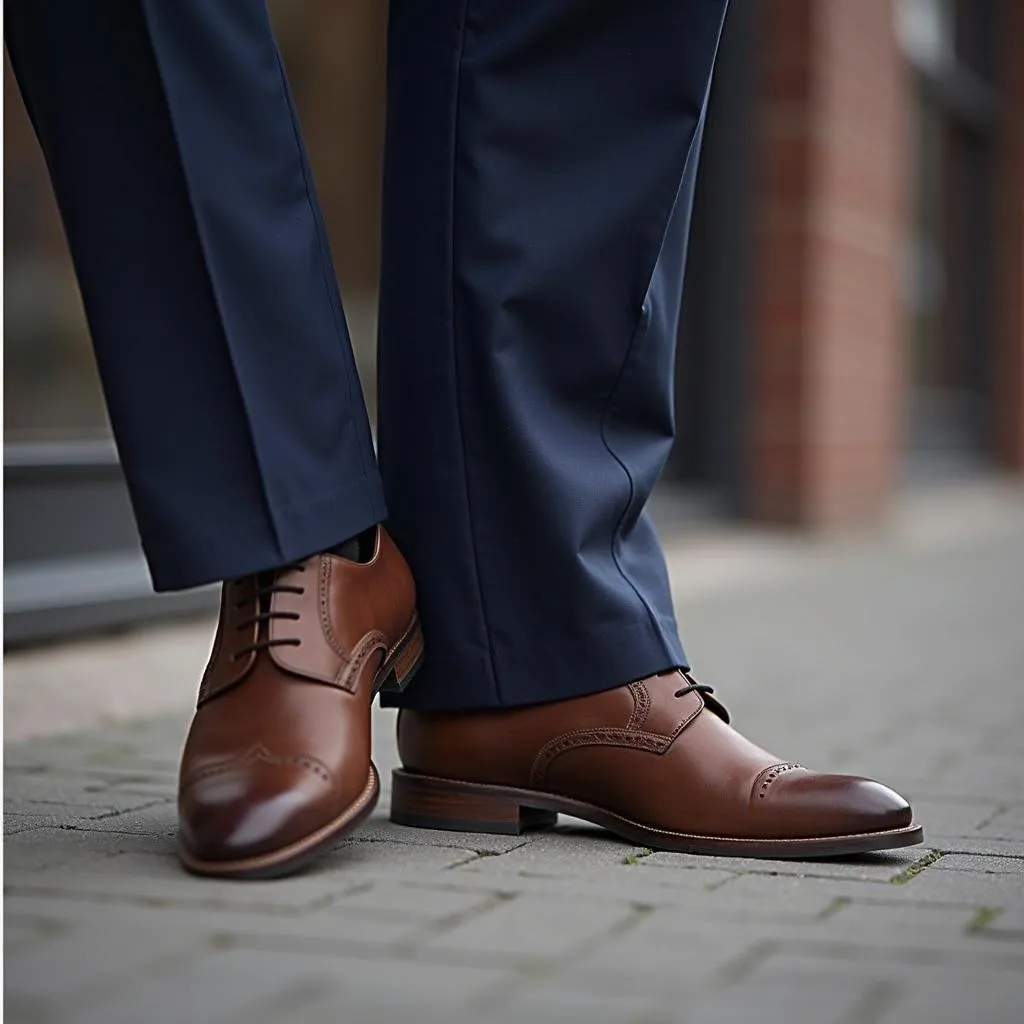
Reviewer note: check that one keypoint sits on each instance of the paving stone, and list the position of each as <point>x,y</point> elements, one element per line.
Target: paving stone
<point>380,828</point>
<point>890,989</point>
<point>880,867</point>
<point>900,927</point>
<point>14,823</point>
<point>267,987</point>
<point>43,850</point>
<point>982,846</point>
<point>412,900</point>
<point>668,959</point>
<point>991,778</point>
<point>321,930</point>
<point>983,864</point>
<point>82,790</point>
<point>560,853</point>
<point>107,751</point>
<point>956,890</point>
<point>394,859</point>
<point>748,896</point>
<point>961,996</point>
<point>160,819</point>
<point>156,882</point>
<point>1008,824</point>
<point>784,996</point>
<point>948,816</point>
<point>983,889</point>
<point>89,954</point>
<point>1005,924</point>
<point>529,929</point>
<point>70,811</point>
<point>23,929</point>
<point>568,1006</point>
<point>334,925</point>
<point>698,891</point>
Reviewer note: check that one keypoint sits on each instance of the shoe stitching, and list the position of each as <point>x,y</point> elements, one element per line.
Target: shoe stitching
<point>326,625</point>
<point>348,674</point>
<point>405,636</point>
<point>688,719</point>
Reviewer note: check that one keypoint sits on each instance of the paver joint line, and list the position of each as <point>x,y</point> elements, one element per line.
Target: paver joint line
<point>933,857</point>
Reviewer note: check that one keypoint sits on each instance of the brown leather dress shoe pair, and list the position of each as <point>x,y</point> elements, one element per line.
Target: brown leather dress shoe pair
<point>277,762</point>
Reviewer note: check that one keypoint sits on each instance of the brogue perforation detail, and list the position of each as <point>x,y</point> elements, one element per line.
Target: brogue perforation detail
<point>763,782</point>
<point>612,737</point>
<point>641,705</point>
<point>260,753</point>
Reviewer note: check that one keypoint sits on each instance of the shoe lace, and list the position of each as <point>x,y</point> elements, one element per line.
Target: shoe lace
<point>268,584</point>
<point>692,686</point>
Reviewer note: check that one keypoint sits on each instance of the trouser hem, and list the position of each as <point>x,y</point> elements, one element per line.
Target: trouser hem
<point>240,545</point>
<point>538,673</point>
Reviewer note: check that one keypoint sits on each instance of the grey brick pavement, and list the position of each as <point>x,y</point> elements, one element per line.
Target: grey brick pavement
<point>900,655</point>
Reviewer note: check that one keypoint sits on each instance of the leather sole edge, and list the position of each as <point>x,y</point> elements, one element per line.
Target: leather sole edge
<point>423,801</point>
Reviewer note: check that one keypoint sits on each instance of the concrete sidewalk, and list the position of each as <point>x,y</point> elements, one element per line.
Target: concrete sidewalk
<point>899,655</point>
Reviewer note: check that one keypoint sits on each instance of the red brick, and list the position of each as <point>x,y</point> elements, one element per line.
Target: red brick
<point>828,348</point>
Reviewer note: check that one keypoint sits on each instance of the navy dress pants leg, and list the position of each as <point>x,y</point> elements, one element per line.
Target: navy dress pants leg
<point>540,165</point>
<point>200,251</point>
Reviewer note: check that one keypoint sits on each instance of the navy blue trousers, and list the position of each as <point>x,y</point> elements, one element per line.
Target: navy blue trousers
<point>539,175</point>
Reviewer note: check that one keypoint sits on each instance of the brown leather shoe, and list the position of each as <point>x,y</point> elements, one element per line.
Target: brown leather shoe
<point>654,762</point>
<point>277,762</point>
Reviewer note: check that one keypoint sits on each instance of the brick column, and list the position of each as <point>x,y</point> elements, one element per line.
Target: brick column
<point>825,413</point>
<point>1008,383</point>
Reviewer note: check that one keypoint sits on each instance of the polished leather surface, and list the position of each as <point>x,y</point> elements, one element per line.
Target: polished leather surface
<point>280,744</point>
<point>669,763</point>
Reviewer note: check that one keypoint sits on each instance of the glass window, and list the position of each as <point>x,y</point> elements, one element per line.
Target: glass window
<point>50,382</point>
<point>948,48</point>
<point>335,55</point>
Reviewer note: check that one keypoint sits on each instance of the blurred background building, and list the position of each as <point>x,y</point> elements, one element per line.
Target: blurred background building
<point>854,311</point>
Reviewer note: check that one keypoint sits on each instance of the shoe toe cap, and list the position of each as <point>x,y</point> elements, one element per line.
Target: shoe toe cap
<point>814,804</point>
<point>242,814</point>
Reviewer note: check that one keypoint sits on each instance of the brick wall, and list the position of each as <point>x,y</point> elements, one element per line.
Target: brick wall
<point>828,351</point>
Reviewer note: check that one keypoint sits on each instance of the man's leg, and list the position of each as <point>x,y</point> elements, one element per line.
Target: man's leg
<point>540,166</point>
<point>203,265</point>
<point>540,172</point>
<point>175,155</point>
